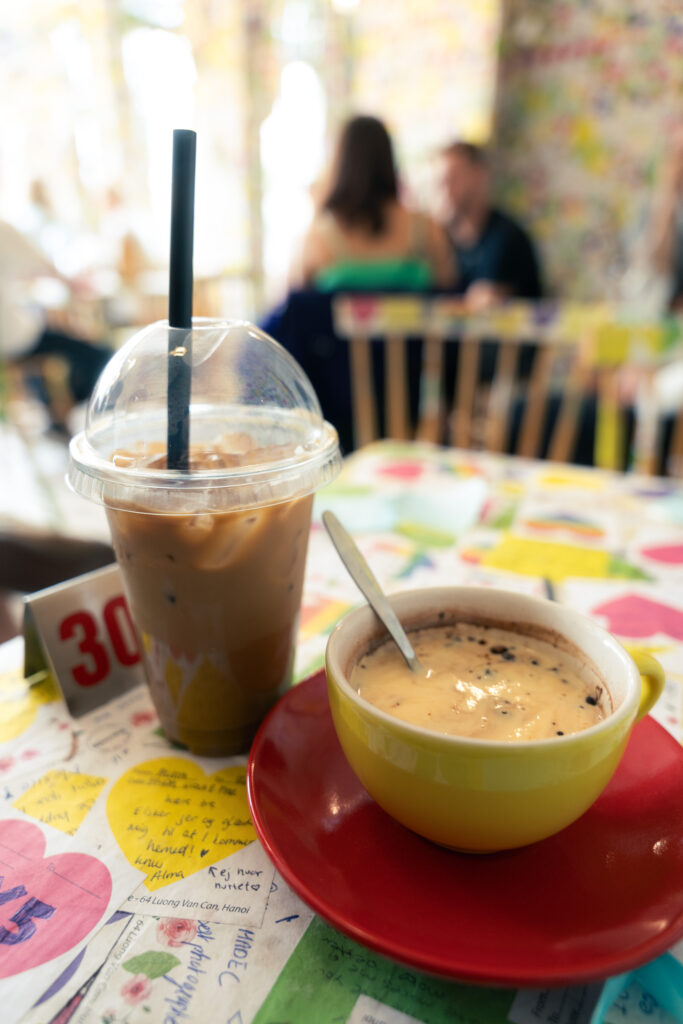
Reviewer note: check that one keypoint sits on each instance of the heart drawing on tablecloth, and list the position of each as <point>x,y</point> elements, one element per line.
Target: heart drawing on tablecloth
<point>637,617</point>
<point>47,903</point>
<point>171,819</point>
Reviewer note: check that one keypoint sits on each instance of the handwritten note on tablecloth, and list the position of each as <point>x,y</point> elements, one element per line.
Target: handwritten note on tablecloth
<point>56,894</point>
<point>35,728</point>
<point>179,970</point>
<point>190,831</point>
<point>170,818</point>
<point>328,972</point>
<point>61,799</point>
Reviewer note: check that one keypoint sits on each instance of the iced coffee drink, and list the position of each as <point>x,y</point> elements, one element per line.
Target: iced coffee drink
<point>212,558</point>
<point>215,598</point>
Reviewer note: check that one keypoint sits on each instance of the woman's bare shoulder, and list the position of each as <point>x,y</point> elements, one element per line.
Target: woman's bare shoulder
<point>316,251</point>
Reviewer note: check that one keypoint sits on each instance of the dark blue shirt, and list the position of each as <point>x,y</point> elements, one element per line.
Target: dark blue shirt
<point>504,254</point>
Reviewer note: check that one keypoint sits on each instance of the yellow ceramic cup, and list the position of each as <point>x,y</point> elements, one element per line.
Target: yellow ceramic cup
<point>484,795</point>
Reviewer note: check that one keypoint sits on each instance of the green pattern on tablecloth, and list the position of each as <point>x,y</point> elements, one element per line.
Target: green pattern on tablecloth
<point>327,972</point>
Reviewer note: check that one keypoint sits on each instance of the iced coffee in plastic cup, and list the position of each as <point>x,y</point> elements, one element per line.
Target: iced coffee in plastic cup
<point>213,557</point>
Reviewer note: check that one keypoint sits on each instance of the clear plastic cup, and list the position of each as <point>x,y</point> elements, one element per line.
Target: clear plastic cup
<point>213,558</point>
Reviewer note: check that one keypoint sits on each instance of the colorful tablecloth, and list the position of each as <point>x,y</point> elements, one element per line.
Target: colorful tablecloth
<point>180,916</point>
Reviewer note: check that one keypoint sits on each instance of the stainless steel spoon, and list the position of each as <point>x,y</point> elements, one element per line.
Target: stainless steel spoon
<point>363,577</point>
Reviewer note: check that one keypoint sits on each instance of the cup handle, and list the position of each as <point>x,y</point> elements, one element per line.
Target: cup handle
<point>652,680</point>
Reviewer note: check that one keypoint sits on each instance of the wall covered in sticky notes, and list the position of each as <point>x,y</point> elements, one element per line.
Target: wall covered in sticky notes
<point>588,91</point>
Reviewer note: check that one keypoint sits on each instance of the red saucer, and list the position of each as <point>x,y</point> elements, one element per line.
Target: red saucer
<point>601,897</point>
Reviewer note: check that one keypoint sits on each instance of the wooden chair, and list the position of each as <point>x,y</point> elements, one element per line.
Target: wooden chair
<point>627,355</point>
<point>580,353</point>
<point>480,413</point>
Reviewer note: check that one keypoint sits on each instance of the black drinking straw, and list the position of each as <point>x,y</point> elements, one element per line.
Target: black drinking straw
<point>180,299</point>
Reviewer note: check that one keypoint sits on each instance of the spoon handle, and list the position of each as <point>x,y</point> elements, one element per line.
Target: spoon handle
<point>363,577</point>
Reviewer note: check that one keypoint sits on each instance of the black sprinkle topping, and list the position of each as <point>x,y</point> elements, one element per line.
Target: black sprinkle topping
<point>591,700</point>
<point>442,616</point>
<point>534,661</point>
<point>170,598</point>
<point>482,643</point>
<point>508,656</point>
<point>559,733</point>
<point>498,649</point>
<point>170,558</point>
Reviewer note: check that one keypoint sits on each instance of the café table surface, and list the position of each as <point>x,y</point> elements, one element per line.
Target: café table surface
<point>228,940</point>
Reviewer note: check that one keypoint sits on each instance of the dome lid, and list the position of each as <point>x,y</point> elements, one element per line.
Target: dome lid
<point>257,434</point>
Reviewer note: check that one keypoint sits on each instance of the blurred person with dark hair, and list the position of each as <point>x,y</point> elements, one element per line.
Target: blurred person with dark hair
<point>24,329</point>
<point>495,255</point>
<point>363,237</point>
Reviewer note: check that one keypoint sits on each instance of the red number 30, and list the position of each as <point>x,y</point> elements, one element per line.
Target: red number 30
<point>84,623</point>
<point>83,626</point>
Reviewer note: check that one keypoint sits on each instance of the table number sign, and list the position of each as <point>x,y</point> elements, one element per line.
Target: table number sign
<point>82,632</point>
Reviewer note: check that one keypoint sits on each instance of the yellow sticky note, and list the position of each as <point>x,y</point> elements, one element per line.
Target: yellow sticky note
<point>19,702</point>
<point>513,487</point>
<point>171,819</point>
<point>572,479</point>
<point>541,558</point>
<point>61,799</point>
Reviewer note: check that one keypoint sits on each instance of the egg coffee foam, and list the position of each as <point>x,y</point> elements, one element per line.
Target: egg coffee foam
<point>485,682</point>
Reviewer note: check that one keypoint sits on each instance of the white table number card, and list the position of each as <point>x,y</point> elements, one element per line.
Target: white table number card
<point>81,631</point>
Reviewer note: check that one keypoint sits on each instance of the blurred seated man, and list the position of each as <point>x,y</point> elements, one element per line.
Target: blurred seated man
<point>495,256</point>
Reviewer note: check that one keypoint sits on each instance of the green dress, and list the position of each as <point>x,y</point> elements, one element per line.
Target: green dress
<point>376,275</point>
<point>411,271</point>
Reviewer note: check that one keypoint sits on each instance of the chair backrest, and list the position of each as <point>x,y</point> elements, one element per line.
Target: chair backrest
<point>637,365</point>
<point>516,383</point>
<point>535,379</point>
